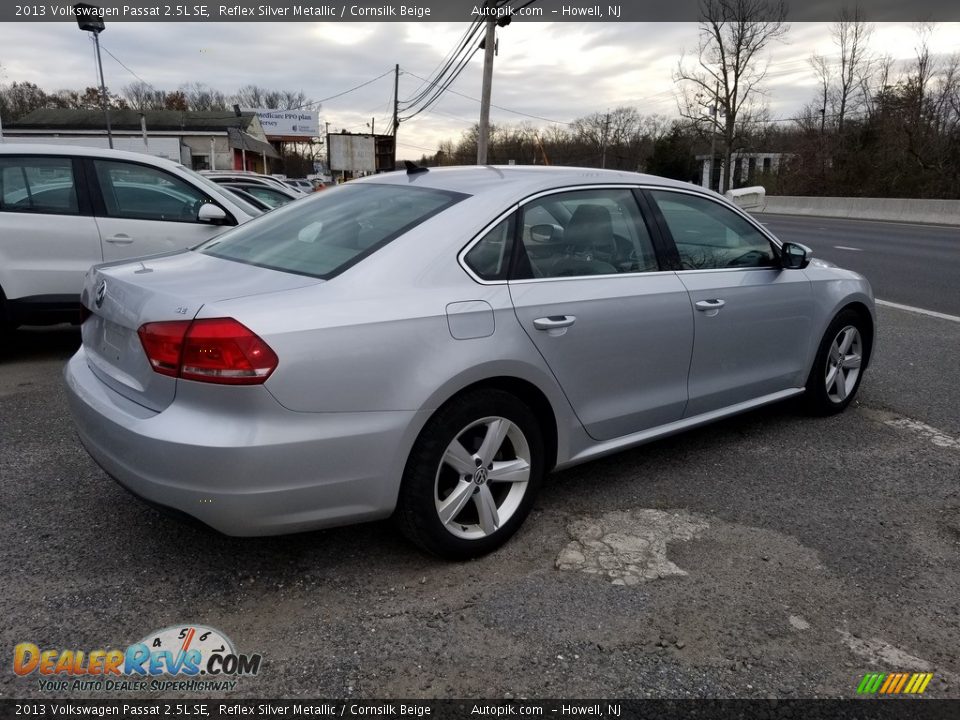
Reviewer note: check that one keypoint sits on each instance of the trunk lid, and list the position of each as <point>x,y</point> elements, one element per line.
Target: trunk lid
<point>124,296</point>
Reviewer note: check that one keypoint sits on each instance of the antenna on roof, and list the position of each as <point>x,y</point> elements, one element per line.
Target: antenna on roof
<point>413,169</point>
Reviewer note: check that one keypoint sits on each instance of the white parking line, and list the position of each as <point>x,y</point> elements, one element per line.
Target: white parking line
<point>844,247</point>
<point>937,437</point>
<point>919,311</point>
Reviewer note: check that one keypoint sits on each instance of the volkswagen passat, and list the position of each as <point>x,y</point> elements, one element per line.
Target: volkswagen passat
<point>430,344</point>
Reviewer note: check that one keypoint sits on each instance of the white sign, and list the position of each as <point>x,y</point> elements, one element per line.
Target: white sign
<point>353,153</point>
<point>289,123</point>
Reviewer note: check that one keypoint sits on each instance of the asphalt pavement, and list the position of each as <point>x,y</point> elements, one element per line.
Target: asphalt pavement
<point>917,265</point>
<point>769,555</point>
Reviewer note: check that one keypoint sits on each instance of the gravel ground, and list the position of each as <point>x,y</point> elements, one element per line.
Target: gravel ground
<point>772,555</point>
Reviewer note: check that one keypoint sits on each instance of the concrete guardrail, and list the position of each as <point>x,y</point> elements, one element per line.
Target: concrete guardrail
<point>934,212</point>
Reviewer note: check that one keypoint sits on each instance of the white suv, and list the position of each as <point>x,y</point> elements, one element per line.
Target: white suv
<point>63,209</point>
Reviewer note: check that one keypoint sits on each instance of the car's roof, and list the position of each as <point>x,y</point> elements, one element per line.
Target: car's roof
<point>519,179</point>
<point>84,151</point>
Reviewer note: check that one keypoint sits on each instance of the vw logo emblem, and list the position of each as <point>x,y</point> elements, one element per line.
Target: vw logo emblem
<point>480,477</point>
<point>101,293</point>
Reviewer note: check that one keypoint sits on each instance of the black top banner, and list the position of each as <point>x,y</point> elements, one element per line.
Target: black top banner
<point>465,10</point>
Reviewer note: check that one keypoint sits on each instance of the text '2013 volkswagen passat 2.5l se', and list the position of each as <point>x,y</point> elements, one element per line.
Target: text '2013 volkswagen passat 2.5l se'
<point>429,344</point>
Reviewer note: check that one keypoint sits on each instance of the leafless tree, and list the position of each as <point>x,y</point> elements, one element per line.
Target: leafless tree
<point>142,97</point>
<point>201,96</point>
<point>725,78</point>
<point>851,33</point>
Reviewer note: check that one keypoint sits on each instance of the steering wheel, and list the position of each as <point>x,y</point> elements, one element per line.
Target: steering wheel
<point>190,211</point>
<point>751,258</point>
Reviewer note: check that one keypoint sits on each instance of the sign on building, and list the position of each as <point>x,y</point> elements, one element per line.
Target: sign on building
<point>352,153</point>
<point>289,123</point>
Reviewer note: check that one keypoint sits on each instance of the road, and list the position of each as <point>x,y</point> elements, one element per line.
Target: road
<point>917,265</point>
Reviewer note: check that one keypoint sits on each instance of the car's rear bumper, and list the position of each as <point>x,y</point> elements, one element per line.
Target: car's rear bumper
<point>246,465</point>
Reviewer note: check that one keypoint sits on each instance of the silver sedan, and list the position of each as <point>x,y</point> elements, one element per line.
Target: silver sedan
<point>429,344</point>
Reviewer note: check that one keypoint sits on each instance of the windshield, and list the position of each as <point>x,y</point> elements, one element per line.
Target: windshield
<point>323,235</point>
<point>249,209</point>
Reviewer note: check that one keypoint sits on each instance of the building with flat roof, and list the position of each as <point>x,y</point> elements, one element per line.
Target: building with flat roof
<point>207,140</point>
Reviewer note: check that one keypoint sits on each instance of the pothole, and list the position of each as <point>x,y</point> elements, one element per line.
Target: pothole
<point>879,652</point>
<point>627,547</point>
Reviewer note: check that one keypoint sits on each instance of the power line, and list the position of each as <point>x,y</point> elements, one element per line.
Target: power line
<point>120,63</point>
<point>345,92</point>
<point>500,107</point>
<point>441,81</point>
<point>468,35</point>
<point>298,107</point>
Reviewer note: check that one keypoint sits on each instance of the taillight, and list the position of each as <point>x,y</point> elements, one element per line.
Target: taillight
<point>217,350</point>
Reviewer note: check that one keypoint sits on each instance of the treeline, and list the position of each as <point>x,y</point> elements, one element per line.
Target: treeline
<point>21,98</point>
<point>875,128</point>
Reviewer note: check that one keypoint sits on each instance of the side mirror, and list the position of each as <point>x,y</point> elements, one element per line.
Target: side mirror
<point>794,256</point>
<point>210,213</point>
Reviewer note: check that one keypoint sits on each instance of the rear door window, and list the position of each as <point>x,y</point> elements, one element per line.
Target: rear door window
<point>586,232</point>
<point>38,185</point>
<point>327,233</point>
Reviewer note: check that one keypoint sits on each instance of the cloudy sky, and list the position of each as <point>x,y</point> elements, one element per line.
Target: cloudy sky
<point>557,71</point>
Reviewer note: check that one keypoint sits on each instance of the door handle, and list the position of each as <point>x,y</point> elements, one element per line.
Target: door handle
<point>708,305</point>
<point>119,239</point>
<point>554,322</point>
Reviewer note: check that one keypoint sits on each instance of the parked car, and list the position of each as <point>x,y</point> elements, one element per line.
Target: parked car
<point>221,177</point>
<point>270,196</point>
<point>303,185</point>
<point>64,208</point>
<point>244,195</point>
<point>430,344</point>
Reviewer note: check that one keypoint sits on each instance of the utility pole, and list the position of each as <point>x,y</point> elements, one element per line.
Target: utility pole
<point>396,109</point>
<point>483,136</point>
<point>713,137</point>
<point>603,143</point>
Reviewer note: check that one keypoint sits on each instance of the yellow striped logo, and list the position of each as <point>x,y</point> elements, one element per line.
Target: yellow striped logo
<point>894,683</point>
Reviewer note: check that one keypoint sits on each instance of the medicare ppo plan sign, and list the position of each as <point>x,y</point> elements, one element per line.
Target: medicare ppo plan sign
<point>289,123</point>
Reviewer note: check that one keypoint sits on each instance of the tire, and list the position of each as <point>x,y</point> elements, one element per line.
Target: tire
<point>7,326</point>
<point>453,506</point>
<point>833,384</point>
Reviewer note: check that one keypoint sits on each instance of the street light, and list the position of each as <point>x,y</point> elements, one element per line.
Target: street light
<point>90,19</point>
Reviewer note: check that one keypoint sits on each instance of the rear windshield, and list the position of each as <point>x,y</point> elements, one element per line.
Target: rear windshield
<point>323,235</point>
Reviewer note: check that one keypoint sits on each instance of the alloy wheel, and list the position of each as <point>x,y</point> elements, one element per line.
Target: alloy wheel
<point>482,478</point>
<point>843,364</point>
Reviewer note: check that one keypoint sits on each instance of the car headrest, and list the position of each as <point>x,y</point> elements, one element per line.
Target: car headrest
<point>589,226</point>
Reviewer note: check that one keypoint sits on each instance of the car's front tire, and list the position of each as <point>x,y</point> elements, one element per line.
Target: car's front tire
<point>839,364</point>
<point>472,475</point>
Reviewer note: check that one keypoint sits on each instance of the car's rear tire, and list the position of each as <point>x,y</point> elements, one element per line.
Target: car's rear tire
<point>839,364</point>
<point>472,475</point>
